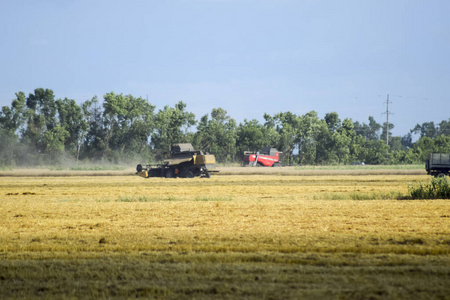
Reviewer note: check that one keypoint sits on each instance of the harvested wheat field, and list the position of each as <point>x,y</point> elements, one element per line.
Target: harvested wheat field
<point>344,235</point>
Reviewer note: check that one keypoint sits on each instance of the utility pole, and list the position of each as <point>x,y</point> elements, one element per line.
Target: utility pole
<point>387,120</point>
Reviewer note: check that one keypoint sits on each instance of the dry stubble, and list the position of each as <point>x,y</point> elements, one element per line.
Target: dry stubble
<point>270,225</point>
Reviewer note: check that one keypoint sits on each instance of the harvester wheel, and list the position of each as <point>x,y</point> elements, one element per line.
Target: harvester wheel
<point>169,173</point>
<point>139,168</point>
<point>276,164</point>
<point>207,175</point>
<point>189,174</point>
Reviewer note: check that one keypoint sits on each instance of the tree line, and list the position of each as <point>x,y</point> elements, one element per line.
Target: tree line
<point>40,130</point>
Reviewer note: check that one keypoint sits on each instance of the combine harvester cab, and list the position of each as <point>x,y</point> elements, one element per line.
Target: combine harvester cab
<point>267,157</point>
<point>184,161</point>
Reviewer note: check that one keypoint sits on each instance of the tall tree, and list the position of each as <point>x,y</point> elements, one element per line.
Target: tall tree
<point>217,135</point>
<point>53,143</point>
<point>333,121</point>
<point>442,144</point>
<point>369,131</point>
<point>42,104</point>
<point>344,138</point>
<point>336,144</point>
<point>12,119</point>
<point>95,139</point>
<point>287,126</point>
<point>129,121</point>
<point>377,154</point>
<point>444,128</point>
<point>407,141</point>
<point>41,117</point>
<point>427,129</point>
<point>250,136</point>
<point>423,147</point>
<point>310,128</point>
<point>171,127</point>
<point>72,119</point>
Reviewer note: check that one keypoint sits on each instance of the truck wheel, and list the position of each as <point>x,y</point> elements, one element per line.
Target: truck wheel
<point>440,175</point>
<point>207,175</point>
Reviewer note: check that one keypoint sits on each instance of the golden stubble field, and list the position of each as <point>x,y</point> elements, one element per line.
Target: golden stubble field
<point>253,236</point>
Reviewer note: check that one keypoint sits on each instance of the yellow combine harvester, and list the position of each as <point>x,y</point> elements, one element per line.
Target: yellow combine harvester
<point>184,161</point>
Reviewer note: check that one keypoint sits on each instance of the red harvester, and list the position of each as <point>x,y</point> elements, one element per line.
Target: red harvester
<point>267,157</point>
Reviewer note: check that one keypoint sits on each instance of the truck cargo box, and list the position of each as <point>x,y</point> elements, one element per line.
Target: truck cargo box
<point>438,164</point>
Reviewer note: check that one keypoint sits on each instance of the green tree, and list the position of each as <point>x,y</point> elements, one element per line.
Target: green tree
<point>395,144</point>
<point>287,127</point>
<point>427,129</point>
<point>335,144</point>
<point>344,142</point>
<point>377,153</point>
<point>73,119</point>
<point>325,153</point>
<point>13,118</point>
<point>94,144</point>
<point>217,136</point>
<point>128,122</point>
<point>442,144</point>
<point>42,104</point>
<point>369,131</point>
<point>271,131</point>
<point>444,128</point>
<point>171,127</point>
<point>310,127</point>
<point>360,148</point>
<point>407,141</point>
<point>333,121</point>
<point>11,121</point>
<point>8,144</point>
<point>250,136</point>
<point>411,157</point>
<point>424,147</point>
<point>41,117</point>
<point>53,141</point>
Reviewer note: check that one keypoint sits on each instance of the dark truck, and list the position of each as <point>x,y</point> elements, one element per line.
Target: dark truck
<point>438,164</point>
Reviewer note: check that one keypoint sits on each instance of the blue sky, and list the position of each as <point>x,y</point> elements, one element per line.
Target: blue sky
<point>249,57</point>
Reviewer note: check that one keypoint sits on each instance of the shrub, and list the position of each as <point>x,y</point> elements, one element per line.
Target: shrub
<point>438,189</point>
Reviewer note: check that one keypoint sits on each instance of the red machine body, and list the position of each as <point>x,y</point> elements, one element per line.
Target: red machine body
<point>267,157</point>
